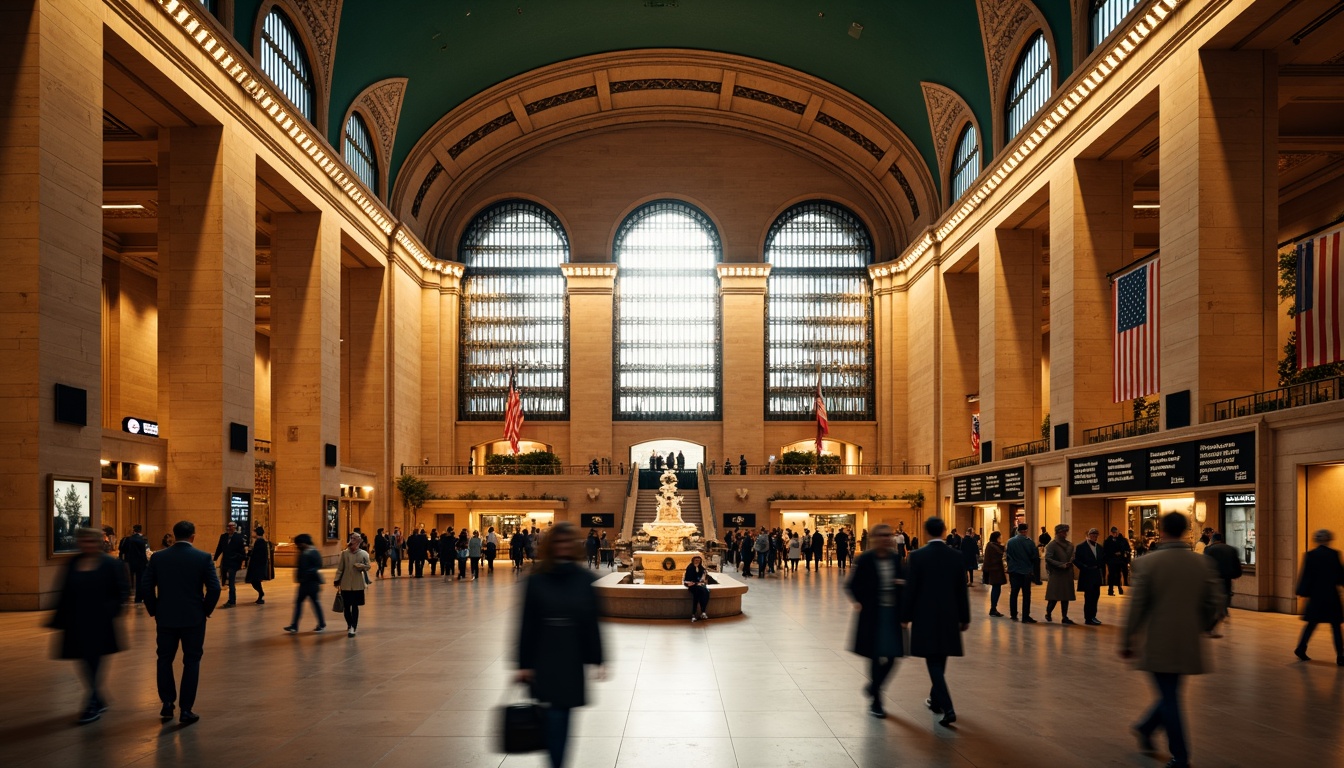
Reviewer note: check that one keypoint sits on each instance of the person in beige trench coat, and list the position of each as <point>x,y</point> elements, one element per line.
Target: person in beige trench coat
<point>1059,568</point>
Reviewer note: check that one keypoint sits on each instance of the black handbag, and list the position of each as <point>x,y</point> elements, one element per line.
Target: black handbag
<point>523,728</point>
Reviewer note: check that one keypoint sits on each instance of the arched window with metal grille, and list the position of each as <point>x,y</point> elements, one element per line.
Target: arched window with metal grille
<point>359,151</point>
<point>515,313</point>
<point>285,62</point>
<point>1029,87</point>
<point>965,162</point>
<point>1105,16</point>
<point>667,350</point>
<point>818,314</point>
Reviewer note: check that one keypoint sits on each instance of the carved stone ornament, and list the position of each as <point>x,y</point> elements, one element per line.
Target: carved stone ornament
<point>947,111</point>
<point>323,18</point>
<point>380,103</point>
<point>1002,23</point>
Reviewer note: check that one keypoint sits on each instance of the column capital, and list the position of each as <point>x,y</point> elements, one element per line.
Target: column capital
<point>589,277</point>
<point>743,278</point>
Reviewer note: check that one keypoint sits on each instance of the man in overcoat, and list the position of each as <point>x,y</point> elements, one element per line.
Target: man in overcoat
<point>1088,557</point>
<point>937,605</point>
<point>181,590</point>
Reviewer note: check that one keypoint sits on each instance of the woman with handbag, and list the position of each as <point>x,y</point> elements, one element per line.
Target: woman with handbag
<point>559,633</point>
<point>259,563</point>
<point>350,575</point>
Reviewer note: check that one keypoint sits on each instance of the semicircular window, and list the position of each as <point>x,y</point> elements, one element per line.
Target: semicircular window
<point>359,152</point>
<point>1106,16</point>
<point>515,313</point>
<point>1029,87</point>
<point>818,314</point>
<point>667,359</point>
<point>285,62</point>
<point>965,162</point>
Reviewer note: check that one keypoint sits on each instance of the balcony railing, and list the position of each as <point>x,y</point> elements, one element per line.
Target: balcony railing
<point>261,446</point>
<point>964,461</point>
<point>1026,449</point>
<point>1310,393</point>
<point>904,468</point>
<point>464,470</point>
<point>1144,426</point>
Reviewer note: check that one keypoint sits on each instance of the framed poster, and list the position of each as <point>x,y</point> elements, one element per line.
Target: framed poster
<point>331,511</point>
<point>70,510</point>
<point>240,510</point>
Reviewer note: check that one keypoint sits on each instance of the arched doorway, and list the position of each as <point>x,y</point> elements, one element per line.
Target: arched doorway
<point>640,453</point>
<point>481,453</point>
<point>850,456</point>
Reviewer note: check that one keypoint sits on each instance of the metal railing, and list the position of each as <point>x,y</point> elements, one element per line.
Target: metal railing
<point>1145,426</point>
<point>454,470</point>
<point>1294,396</point>
<point>261,446</point>
<point>1029,448</point>
<point>964,461</point>
<point>904,468</point>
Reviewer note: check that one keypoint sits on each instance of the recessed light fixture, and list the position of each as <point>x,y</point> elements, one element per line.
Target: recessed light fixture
<point>1147,206</point>
<point>123,207</point>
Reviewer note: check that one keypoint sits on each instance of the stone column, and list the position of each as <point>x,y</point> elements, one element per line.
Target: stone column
<point>305,369</point>
<point>890,361</point>
<point>1010,338</point>
<point>1219,198</point>
<point>441,322</point>
<point>1091,234</point>
<point>590,288</point>
<point>742,297</point>
<point>207,322</point>
<point>959,343</point>
<point>51,181</point>
<point>364,403</point>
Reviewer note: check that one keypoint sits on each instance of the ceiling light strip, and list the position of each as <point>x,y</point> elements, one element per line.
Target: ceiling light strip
<point>1065,106</point>
<point>202,35</point>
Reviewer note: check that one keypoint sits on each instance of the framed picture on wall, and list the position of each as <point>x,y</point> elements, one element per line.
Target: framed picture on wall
<point>331,511</point>
<point>70,509</point>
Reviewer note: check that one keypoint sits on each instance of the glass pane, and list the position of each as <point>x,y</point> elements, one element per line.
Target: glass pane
<point>1106,16</point>
<point>359,151</point>
<point>818,313</point>
<point>515,313</point>
<point>667,315</point>
<point>965,162</point>
<point>1030,84</point>
<point>285,63</point>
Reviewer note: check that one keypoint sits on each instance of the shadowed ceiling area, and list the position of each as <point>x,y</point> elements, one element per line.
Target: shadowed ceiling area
<point>451,50</point>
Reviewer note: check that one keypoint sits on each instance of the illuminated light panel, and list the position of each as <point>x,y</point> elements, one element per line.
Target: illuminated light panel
<point>1156,14</point>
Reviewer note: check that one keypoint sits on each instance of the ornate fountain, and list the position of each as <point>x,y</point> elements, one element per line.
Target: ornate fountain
<point>667,562</point>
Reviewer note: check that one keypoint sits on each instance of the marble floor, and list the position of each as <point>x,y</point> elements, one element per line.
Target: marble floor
<point>774,687</point>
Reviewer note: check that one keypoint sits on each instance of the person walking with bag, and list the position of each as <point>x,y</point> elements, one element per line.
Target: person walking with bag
<point>351,572</point>
<point>1322,576</point>
<point>559,634</point>
<point>876,590</point>
<point>92,593</point>
<point>308,574</point>
<point>259,563</point>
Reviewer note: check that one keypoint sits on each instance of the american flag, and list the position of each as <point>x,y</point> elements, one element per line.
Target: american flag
<point>975,432</point>
<point>513,415</point>
<point>819,406</point>
<point>1137,341</point>
<point>1319,322</point>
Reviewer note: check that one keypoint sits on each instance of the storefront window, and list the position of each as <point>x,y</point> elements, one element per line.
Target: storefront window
<point>1239,524</point>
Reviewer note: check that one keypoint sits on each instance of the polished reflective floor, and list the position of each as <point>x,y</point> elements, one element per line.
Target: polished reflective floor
<point>775,687</point>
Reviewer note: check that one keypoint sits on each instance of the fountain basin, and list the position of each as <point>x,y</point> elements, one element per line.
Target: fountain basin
<point>622,598</point>
<point>664,567</point>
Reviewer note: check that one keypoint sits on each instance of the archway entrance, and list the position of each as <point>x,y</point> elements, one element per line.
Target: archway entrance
<point>849,454</point>
<point>640,453</point>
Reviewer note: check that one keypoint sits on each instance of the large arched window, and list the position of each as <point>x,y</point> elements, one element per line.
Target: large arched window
<point>1105,16</point>
<point>359,151</point>
<point>1029,87</point>
<point>667,315</point>
<point>284,61</point>
<point>965,162</point>
<point>818,314</point>
<point>514,313</point>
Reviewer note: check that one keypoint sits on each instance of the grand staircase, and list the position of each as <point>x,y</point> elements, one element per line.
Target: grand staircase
<point>646,508</point>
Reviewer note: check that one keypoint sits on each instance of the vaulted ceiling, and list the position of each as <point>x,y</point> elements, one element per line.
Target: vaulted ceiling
<point>450,50</point>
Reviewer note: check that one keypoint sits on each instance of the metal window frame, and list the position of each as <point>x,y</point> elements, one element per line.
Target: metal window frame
<point>832,393</point>
<point>359,154</point>
<point>470,398</point>
<point>286,63</point>
<point>1104,17</point>
<point>962,173</point>
<point>1027,93</point>
<point>628,225</point>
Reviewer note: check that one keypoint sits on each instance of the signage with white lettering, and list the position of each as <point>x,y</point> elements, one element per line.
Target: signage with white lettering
<point>1214,461</point>
<point>1004,485</point>
<point>1238,499</point>
<point>140,426</point>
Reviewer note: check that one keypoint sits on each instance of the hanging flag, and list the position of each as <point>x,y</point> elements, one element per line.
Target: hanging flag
<point>1319,322</point>
<point>975,432</point>
<point>513,415</point>
<point>819,407</point>
<point>1137,343</point>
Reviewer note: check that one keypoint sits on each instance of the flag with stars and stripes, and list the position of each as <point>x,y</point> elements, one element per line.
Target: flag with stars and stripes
<point>1137,339</point>
<point>1319,322</point>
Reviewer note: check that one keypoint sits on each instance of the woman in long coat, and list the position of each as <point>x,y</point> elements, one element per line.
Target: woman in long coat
<point>1322,576</point>
<point>970,555</point>
<point>1059,566</point>
<point>259,563</point>
<point>559,633</point>
<point>92,594</point>
<point>876,586</point>
<point>996,575</point>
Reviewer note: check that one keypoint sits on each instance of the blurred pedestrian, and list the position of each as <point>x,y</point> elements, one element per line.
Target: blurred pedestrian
<point>92,592</point>
<point>876,587</point>
<point>1175,598</point>
<point>308,574</point>
<point>558,634</point>
<point>134,552</point>
<point>1322,575</point>
<point>259,563</point>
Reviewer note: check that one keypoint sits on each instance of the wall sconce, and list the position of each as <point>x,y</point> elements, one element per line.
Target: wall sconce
<point>1201,512</point>
<point>742,493</point>
<point>593,493</point>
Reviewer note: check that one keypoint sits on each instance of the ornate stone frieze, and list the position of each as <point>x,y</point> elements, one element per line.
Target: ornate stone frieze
<point>835,124</point>
<point>381,104</point>
<point>550,102</point>
<point>465,142</point>
<point>1002,22</point>
<point>424,188</point>
<point>665,84</point>
<point>796,107</point>
<point>946,111</point>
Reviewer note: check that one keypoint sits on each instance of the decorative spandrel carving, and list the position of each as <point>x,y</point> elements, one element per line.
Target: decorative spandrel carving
<point>323,18</point>
<point>1002,23</point>
<point>381,105</point>
<point>947,111</point>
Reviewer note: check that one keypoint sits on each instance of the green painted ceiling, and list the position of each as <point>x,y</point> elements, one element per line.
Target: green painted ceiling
<point>453,49</point>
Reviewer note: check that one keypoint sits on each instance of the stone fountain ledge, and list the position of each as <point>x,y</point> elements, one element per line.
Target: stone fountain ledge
<point>621,598</point>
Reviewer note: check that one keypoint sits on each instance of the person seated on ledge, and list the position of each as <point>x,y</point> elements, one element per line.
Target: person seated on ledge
<point>697,581</point>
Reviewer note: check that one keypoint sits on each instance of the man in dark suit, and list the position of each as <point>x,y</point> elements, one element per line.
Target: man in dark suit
<point>133,551</point>
<point>1089,558</point>
<point>876,587</point>
<point>417,548</point>
<point>938,606</point>
<point>1322,576</point>
<point>231,552</point>
<point>1228,564</point>
<point>174,581</point>
<point>1116,550</point>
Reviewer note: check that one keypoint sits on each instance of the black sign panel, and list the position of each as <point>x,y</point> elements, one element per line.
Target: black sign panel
<point>598,521</point>
<point>1004,485</point>
<point>1224,460</point>
<point>140,426</point>
<point>240,509</point>
<point>739,520</point>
